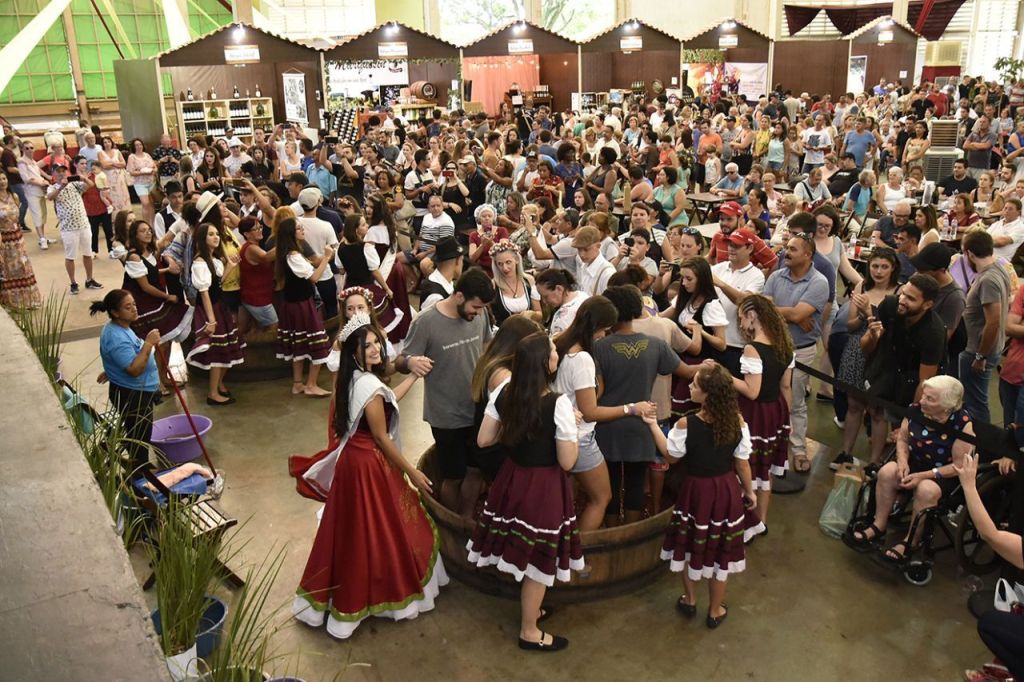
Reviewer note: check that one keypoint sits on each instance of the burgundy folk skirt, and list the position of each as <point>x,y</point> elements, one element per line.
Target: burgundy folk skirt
<point>705,535</point>
<point>528,525</point>
<point>222,347</point>
<point>681,403</point>
<point>300,333</point>
<point>769,438</point>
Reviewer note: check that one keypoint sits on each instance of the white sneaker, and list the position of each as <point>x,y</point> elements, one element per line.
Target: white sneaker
<point>51,241</point>
<point>43,244</point>
<point>835,420</point>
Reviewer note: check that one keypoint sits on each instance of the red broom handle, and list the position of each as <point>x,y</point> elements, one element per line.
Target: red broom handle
<point>181,399</point>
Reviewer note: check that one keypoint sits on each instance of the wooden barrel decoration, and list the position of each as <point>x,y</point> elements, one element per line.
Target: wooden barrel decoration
<point>621,559</point>
<point>423,90</point>
<point>261,362</point>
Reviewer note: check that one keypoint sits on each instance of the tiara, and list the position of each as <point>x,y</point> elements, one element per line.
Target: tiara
<point>503,245</point>
<point>355,323</point>
<point>360,291</point>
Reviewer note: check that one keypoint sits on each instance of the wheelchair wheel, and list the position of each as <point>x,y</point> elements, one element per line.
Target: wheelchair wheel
<point>918,573</point>
<point>974,554</point>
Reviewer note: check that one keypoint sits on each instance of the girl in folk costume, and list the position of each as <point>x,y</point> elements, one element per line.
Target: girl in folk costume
<point>217,346</point>
<point>371,512</point>
<point>361,264</point>
<point>393,312</point>
<point>300,331</point>
<point>159,309</point>
<point>516,292</point>
<point>528,525</point>
<point>765,394</point>
<point>705,537</point>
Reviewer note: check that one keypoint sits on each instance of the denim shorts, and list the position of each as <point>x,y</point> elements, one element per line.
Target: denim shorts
<point>265,315</point>
<point>590,456</point>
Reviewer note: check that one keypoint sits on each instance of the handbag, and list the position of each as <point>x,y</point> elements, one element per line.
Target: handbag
<point>1007,594</point>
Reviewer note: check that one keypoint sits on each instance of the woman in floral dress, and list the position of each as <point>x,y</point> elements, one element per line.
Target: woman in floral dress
<point>17,281</point>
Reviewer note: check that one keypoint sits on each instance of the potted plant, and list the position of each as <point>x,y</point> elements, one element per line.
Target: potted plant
<point>185,565</point>
<point>1009,69</point>
<point>43,327</point>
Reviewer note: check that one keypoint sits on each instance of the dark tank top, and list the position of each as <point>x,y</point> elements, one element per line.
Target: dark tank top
<point>771,374</point>
<point>704,459</point>
<point>538,450</point>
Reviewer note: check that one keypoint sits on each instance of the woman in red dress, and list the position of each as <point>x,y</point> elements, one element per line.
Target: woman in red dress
<point>371,512</point>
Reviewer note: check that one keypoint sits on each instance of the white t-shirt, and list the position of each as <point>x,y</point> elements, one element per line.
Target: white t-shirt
<point>576,371</point>
<point>434,229</point>
<point>416,179</point>
<point>319,235</point>
<point>815,138</point>
<point>749,279</point>
<point>565,416</point>
<point>566,313</point>
<point>593,278</point>
<point>1014,230</point>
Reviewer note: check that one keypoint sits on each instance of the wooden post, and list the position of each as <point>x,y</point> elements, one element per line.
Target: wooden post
<point>579,74</point>
<point>242,11</point>
<point>76,64</point>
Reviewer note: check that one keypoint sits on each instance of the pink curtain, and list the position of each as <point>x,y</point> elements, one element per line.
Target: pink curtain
<point>492,77</point>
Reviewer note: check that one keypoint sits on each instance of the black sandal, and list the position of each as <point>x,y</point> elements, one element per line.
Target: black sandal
<point>894,557</point>
<point>864,539</point>
<point>688,610</point>
<point>557,644</point>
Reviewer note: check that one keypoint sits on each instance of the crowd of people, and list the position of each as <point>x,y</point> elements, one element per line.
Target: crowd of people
<point>575,323</point>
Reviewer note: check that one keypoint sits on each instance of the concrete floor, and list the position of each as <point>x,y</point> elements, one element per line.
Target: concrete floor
<point>806,608</point>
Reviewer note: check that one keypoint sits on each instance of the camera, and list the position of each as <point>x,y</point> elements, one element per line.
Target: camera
<point>448,173</point>
<point>331,139</point>
<point>629,241</point>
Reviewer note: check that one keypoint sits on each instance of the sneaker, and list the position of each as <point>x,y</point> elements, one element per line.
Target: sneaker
<point>93,284</point>
<point>840,424</point>
<point>25,229</point>
<point>43,244</point>
<point>841,459</point>
<point>51,241</point>
<point>74,289</point>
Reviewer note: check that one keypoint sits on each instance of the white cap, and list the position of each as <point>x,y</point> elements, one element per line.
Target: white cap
<point>310,197</point>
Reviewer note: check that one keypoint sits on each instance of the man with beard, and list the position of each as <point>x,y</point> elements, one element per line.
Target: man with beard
<point>728,220</point>
<point>444,344</point>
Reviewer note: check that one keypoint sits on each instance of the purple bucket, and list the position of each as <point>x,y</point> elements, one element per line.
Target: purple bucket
<point>174,436</point>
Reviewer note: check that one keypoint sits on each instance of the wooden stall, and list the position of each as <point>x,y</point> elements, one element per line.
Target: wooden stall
<point>890,47</point>
<point>631,51</point>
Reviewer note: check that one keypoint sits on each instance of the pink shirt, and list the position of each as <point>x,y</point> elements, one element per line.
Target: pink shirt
<point>1012,371</point>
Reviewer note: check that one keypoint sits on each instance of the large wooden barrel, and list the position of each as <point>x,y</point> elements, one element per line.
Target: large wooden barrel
<point>261,362</point>
<point>620,559</point>
<point>423,90</point>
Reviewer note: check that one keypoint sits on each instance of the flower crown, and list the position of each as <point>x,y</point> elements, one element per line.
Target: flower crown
<point>355,323</point>
<point>361,291</point>
<point>503,246</point>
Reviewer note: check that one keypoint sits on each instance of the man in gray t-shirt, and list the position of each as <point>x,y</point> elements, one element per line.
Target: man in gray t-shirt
<point>978,148</point>
<point>443,344</point>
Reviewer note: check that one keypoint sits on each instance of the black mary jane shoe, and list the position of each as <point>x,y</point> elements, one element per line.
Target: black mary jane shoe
<point>688,610</point>
<point>545,613</point>
<point>227,394</point>
<point>219,403</point>
<point>557,644</point>
<point>713,622</point>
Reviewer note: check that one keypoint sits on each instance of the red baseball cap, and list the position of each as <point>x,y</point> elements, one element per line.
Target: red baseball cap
<point>731,208</point>
<point>742,237</point>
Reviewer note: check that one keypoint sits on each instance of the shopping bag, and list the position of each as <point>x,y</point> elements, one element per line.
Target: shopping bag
<point>177,366</point>
<point>1006,594</point>
<point>838,509</point>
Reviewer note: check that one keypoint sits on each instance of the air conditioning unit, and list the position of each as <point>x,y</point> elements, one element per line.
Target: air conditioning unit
<point>944,135</point>
<point>939,164</point>
<point>943,53</point>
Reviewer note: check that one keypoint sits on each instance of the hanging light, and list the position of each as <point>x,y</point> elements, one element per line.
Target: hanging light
<point>239,33</point>
<point>634,24</point>
<point>521,26</point>
<point>728,25</point>
<point>392,28</point>
<point>888,23</point>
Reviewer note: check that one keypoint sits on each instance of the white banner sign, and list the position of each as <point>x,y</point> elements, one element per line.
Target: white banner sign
<point>295,98</point>
<point>728,40</point>
<point>242,54</point>
<point>349,82</point>
<point>630,43</point>
<point>392,50</point>
<point>750,78</point>
<point>520,46</point>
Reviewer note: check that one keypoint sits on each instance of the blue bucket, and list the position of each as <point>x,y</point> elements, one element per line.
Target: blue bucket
<point>211,624</point>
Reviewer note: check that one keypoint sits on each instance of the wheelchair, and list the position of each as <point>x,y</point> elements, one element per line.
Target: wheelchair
<point>946,526</point>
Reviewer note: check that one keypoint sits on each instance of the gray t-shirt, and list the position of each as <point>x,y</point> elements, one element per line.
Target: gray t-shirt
<point>981,158</point>
<point>628,365</point>
<point>992,285</point>
<point>949,305</point>
<point>454,345</point>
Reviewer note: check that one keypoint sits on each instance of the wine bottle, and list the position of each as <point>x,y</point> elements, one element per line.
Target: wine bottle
<point>235,94</point>
<point>189,96</point>
<point>258,93</point>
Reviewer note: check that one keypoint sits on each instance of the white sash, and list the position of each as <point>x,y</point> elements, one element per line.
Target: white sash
<point>365,386</point>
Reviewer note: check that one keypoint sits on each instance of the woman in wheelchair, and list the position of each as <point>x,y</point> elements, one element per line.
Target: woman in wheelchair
<point>924,461</point>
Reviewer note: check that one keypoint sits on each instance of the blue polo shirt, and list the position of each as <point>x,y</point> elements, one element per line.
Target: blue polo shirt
<point>787,292</point>
<point>322,178</point>
<point>857,144</point>
<point>118,348</point>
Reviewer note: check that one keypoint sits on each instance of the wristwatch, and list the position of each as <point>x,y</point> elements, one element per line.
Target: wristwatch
<point>937,474</point>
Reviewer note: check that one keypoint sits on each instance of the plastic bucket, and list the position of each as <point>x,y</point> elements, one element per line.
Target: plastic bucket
<point>174,436</point>
<point>211,624</point>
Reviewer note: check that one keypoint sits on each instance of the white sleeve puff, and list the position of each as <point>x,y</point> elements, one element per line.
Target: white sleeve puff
<point>299,265</point>
<point>742,450</point>
<point>372,259</point>
<point>565,420</point>
<point>492,410</point>
<point>135,269</point>
<point>218,266</point>
<point>792,362</point>
<point>751,365</point>
<point>677,442</point>
<point>201,277</point>
<point>333,360</point>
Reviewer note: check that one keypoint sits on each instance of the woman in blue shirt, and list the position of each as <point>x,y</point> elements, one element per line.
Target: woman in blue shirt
<point>129,366</point>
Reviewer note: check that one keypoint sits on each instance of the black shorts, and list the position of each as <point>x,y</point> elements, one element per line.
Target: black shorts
<point>232,299</point>
<point>454,448</point>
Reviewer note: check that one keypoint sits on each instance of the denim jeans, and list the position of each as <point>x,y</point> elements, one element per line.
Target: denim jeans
<point>19,189</point>
<point>808,167</point>
<point>976,386</point>
<point>1011,397</point>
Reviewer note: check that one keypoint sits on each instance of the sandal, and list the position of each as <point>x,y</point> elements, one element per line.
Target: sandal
<point>801,464</point>
<point>688,610</point>
<point>896,557</point>
<point>879,535</point>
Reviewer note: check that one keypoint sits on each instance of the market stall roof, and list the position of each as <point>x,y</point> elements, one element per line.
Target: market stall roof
<point>392,41</point>
<point>519,37</point>
<point>708,38</point>
<point>868,33</point>
<point>238,43</point>
<point>651,38</point>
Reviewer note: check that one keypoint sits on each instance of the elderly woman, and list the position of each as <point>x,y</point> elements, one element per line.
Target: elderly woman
<point>893,192</point>
<point>926,460</point>
<point>486,235</point>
